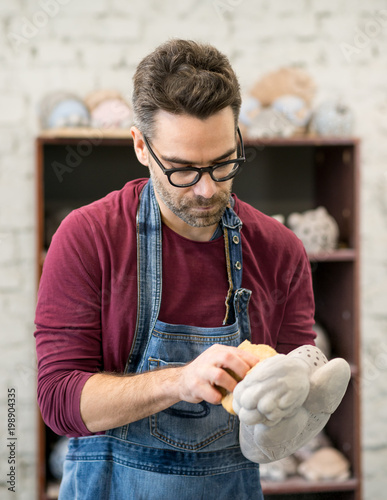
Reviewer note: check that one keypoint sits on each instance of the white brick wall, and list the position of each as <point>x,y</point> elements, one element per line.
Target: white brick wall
<point>82,45</point>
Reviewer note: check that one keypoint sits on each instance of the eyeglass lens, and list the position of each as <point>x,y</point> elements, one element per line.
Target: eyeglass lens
<point>186,176</point>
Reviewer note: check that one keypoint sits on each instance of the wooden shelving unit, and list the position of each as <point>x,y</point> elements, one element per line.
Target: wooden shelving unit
<point>280,176</point>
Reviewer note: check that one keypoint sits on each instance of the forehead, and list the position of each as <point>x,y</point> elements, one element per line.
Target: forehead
<point>193,138</point>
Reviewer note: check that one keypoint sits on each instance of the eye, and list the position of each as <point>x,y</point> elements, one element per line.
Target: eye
<point>222,166</point>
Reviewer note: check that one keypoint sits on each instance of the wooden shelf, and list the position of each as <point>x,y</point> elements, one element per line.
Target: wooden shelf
<point>297,484</point>
<point>341,255</point>
<point>88,133</point>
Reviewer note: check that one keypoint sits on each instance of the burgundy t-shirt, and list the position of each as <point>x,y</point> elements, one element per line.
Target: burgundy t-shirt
<point>87,301</point>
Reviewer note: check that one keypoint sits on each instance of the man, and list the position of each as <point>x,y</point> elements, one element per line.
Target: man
<point>146,294</point>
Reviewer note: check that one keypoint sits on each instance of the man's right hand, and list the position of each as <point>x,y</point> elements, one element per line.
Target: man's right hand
<point>198,379</point>
<point>112,400</point>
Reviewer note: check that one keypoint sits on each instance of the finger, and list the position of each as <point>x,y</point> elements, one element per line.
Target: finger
<point>250,358</point>
<point>209,393</point>
<point>238,361</point>
<point>221,379</point>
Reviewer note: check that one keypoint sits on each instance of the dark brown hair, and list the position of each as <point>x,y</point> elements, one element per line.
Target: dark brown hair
<point>183,77</point>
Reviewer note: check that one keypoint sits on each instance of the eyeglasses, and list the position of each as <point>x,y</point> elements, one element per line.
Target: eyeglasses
<point>188,176</point>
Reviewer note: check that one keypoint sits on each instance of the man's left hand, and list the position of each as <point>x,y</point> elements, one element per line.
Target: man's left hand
<point>286,400</point>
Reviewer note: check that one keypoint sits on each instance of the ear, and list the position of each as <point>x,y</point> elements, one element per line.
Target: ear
<point>139,146</point>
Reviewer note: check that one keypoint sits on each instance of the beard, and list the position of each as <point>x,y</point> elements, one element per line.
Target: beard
<point>197,211</point>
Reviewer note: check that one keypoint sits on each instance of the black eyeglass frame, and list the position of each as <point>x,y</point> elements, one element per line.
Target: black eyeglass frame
<point>200,171</point>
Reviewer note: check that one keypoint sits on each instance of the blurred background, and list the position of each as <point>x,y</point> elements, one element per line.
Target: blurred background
<point>79,46</point>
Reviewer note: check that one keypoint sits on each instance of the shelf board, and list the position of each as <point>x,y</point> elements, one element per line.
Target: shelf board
<point>96,137</point>
<point>301,140</point>
<point>86,133</point>
<point>340,255</point>
<point>120,133</point>
<point>299,485</point>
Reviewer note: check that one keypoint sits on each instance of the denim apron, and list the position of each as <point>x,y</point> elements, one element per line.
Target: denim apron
<point>188,451</point>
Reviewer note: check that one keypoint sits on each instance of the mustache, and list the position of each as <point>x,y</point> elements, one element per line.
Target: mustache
<point>200,201</point>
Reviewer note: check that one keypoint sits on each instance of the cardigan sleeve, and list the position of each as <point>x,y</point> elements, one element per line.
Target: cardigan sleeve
<point>298,319</point>
<point>68,324</point>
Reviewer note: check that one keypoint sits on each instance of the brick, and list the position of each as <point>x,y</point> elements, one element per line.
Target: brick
<point>17,197</point>
<point>28,480</point>
<point>283,7</point>
<point>24,372</point>
<point>135,9</point>
<point>119,79</point>
<point>8,141</point>
<point>56,53</point>
<point>279,27</point>
<point>108,55</point>
<point>373,461</point>
<point>12,109</point>
<point>24,241</point>
<point>117,29</point>
<point>22,300</point>
<point>102,29</point>
<point>73,28</point>
<point>10,7</point>
<point>25,28</point>
<point>10,278</point>
<point>79,81</point>
<point>14,163</point>
<point>88,6</point>
<point>332,6</point>
<point>374,296</point>
<point>15,337</point>
<point>7,247</point>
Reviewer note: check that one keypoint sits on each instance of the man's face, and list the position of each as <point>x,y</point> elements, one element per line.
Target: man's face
<point>181,141</point>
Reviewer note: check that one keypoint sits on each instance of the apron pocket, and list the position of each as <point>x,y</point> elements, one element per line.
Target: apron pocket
<point>192,426</point>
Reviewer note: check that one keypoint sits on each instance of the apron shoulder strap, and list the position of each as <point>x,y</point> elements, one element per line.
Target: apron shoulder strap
<point>149,272</point>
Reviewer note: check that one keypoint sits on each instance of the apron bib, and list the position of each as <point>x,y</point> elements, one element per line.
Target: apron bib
<point>188,451</point>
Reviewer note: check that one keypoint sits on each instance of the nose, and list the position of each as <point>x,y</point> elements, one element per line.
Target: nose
<point>206,187</point>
